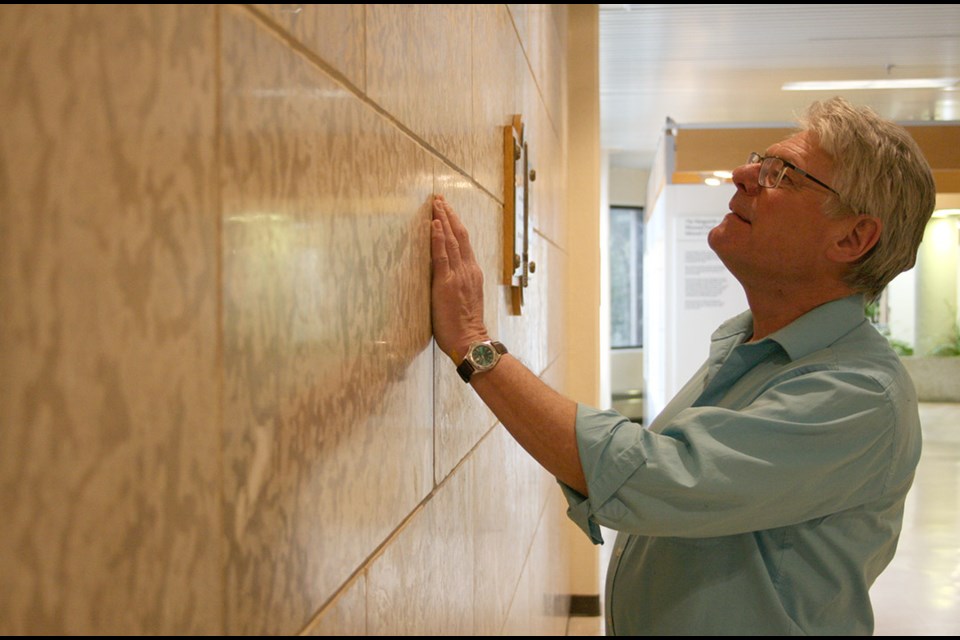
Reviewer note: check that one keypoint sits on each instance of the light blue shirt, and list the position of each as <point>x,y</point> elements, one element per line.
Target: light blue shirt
<point>768,495</point>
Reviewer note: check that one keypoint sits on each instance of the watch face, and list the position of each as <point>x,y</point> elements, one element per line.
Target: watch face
<point>483,355</point>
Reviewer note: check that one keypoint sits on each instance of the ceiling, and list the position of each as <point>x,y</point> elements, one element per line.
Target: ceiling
<point>723,65</point>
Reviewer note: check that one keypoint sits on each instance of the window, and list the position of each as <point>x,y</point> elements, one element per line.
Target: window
<point>626,277</point>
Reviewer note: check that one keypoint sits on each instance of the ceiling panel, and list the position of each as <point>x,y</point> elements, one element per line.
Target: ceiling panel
<point>724,65</point>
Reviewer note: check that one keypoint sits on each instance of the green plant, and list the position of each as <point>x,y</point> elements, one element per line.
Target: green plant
<point>900,347</point>
<point>951,347</point>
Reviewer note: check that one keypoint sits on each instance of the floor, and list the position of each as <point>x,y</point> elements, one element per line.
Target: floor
<point>919,593</point>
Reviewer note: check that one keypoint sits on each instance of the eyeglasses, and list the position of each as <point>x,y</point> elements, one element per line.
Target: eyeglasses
<point>772,169</point>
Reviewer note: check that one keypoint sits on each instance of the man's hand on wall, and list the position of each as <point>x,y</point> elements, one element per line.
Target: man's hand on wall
<point>457,287</point>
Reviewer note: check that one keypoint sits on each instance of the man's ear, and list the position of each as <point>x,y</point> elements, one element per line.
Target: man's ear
<point>855,239</point>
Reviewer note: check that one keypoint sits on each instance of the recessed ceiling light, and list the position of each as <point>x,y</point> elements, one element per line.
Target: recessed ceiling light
<point>841,85</point>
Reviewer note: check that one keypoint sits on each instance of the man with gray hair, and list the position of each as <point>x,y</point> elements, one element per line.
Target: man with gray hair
<point>769,493</point>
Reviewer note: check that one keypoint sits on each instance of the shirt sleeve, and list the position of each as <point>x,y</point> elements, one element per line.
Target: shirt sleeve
<point>795,453</point>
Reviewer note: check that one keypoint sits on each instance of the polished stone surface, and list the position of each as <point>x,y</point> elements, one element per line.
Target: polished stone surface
<point>507,507</point>
<point>541,604</point>
<point>418,70</point>
<point>109,340</point>
<point>221,409</point>
<point>422,584</point>
<point>333,32</point>
<point>497,59</point>
<point>346,615</point>
<point>328,442</point>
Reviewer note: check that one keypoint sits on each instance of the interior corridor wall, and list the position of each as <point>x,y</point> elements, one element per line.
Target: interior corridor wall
<point>221,408</point>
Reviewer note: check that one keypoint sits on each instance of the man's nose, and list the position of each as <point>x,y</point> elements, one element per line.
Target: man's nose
<point>747,178</point>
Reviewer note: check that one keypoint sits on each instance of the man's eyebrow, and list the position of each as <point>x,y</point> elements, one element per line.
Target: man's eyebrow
<point>787,156</point>
<point>772,151</point>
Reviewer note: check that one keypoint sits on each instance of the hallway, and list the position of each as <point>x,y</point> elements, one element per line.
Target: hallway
<point>919,593</point>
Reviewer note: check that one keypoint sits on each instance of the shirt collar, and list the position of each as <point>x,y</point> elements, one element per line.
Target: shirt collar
<point>817,329</point>
<point>821,326</point>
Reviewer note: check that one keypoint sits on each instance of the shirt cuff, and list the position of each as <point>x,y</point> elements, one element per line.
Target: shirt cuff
<point>578,510</point>
<point>611,450</point>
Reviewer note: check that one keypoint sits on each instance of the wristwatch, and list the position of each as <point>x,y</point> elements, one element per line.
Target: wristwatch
<point>481,356</point>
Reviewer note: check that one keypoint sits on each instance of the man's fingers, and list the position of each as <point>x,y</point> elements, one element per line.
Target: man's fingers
<point>441,263</point>
<point>460,231</point>
<point>452,246</point>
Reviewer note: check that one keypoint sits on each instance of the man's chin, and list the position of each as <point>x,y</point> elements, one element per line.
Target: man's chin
<point>721,244</point>
<point>716,235</point>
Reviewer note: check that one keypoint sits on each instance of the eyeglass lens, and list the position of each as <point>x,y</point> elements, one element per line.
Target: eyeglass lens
<point>771,169</point>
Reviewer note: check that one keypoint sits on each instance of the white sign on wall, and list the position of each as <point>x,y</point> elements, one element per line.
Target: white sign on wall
<point>695,294</point>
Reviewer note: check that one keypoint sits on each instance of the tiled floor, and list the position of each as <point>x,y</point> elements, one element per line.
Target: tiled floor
<point>919,593</point>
